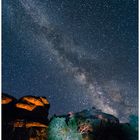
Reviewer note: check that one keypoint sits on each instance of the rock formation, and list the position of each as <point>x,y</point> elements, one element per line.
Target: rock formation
<point>27,119</point>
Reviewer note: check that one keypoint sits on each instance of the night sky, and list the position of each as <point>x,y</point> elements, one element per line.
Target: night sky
<point>77,53</point>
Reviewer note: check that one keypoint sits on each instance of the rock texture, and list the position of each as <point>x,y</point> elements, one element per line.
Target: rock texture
<point>27,119</point>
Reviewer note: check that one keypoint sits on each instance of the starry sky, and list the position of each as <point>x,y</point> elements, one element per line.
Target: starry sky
<point>77,53</point>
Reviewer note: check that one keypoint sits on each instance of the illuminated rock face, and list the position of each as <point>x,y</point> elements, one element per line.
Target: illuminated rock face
<point>24,119</point>
<point>8,107</point>
<point>33,108</point>
<point>27,119</point>
<point>89,124</point>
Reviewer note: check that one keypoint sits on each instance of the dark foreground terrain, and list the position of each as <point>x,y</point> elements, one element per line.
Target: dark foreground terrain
<point>27,119</point>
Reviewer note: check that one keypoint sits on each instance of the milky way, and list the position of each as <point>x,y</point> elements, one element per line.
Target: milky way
<point>75,73</point>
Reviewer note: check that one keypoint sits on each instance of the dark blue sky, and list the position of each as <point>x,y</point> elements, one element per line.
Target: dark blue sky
<point>76,53</point>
